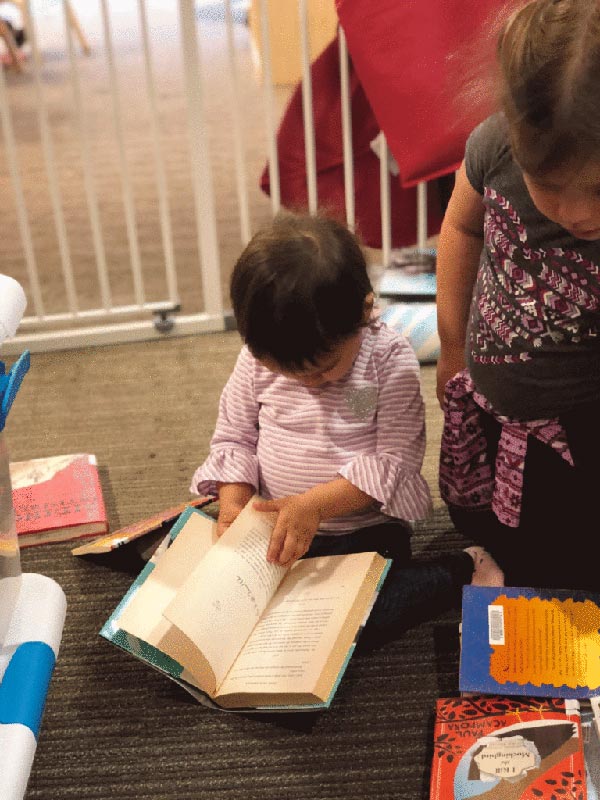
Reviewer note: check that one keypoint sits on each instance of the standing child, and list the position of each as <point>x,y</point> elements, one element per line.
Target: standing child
<point>519,304</point>
<point>323,415</point>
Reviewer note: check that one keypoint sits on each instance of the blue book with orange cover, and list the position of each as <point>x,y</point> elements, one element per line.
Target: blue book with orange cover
<point>526,641</point>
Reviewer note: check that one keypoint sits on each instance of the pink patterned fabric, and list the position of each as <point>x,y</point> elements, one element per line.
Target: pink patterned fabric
<point>466,476</point>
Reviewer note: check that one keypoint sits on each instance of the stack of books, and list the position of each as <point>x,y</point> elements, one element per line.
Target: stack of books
<point>527,722</point>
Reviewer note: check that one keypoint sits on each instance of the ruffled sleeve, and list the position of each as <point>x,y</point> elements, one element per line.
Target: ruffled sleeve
<point>225,465</point>
<point>401,493</point>
<point>392,474</point>
<point>232,457</point>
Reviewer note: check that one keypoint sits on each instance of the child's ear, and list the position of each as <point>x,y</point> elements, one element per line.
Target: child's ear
<point>368,307</point>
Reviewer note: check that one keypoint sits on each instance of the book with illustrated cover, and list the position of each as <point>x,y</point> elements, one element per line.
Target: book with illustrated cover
<point>499,748</point>
<point>591,745</point>
<point>540,642</point>
<point>238,632</point>
<point>129,533</point>
<point>57,499</point>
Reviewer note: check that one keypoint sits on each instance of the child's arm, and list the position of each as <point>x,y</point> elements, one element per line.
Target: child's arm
<point>232,499</point>
<point>299,516</point>
<point>459,252</point>
<point>231,469</point>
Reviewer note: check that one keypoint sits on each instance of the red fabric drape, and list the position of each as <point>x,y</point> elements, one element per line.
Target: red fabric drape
<point>325,73</point>
<point>400,53</point>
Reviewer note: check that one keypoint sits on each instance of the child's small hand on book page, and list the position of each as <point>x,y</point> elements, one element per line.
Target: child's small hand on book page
<point>298,519</point>
<point>299,516</point>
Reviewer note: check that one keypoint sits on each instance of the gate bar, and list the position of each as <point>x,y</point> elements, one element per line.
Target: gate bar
<point>267,72</point>
<point>98,313</point>
<point>50,163</point>
<point>307,111</point>
<point>21,206</point>
<point>347,132</point>
<point>159,165</point>
<point>130,222</point>
<point>386,216</point>
<point>206,223</point>
<point>238,144</point>
<point>422,215</point>
<point>88,175</point>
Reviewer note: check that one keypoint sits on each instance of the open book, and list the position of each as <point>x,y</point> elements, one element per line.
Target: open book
<point>214,615</point>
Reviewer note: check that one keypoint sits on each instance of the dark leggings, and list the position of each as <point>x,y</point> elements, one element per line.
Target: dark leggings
<point>557,543</point>
<point>413,590</point>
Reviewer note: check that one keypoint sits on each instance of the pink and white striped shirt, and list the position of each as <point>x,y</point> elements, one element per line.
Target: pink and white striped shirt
<point>369,427</point>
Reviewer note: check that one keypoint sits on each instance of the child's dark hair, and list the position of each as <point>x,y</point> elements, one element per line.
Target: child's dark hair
<point>549,58</point>
<point>299,288</point>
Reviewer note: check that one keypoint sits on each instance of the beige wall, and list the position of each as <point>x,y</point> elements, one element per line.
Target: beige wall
<point>285,34</point>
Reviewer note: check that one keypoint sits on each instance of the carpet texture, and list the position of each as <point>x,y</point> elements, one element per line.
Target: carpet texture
<point>113,727</point>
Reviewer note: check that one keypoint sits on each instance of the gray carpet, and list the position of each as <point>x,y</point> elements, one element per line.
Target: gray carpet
<point>113,727</point>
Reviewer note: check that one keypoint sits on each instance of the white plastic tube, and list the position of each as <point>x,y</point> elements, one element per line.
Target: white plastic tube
<point>32,611</point>
<point>12,306</point>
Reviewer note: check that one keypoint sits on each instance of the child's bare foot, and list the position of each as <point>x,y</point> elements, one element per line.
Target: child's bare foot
<point>486,572</point>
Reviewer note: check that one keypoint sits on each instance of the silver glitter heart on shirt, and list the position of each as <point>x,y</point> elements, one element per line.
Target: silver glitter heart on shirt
<point>362,401</point>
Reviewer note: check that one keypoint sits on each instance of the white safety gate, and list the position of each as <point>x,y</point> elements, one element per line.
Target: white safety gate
<point>110,321</point>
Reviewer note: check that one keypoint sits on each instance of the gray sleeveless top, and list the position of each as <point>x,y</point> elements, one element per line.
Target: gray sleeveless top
<point>533,347</point>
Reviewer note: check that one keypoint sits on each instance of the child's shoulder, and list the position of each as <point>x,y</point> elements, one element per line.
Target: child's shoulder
<point>247,367</point>
<point>492,132</point>
<point>389,344</point>
<point>487,147</point>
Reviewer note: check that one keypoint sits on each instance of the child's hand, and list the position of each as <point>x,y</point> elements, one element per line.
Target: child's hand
<point>449,364</point>
<point>298,520</point>
<point>232,499</point>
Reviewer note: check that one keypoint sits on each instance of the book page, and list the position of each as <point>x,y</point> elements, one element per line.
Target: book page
<point>143,616</point>
<point>290,647</point>
<point>224,597</point>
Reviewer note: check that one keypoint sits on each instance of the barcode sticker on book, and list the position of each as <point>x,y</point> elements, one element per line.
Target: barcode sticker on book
<point>496,624</point>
